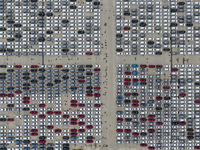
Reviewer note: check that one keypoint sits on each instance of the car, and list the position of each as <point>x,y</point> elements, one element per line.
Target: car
<point>159,123</point>
<point>159,66</point>
<point>89,53</point>
<point>18,141</point>
<point>73,137</point>
<point>89,127</point>
<point>42,141</point>
<point>89,95</point>
<point>34,134</point>
<point>151,66</point>
<point>97,69</point>
<point>81,116</point>
<point>81,123</point>
<point>127,83</point>
<point>151,147</point>
<point>151,130</point>
<point>135,134</point>
<point>57,130</point>
<point>127,28</point>
<point>143,119</point>
<point>33,112</point>
<point>10,138</point>
<point>34,66</point>
<point>119,130</point>
<point>18,66</point>
<point>89,141</point>
<point>174,69</point>
<point>50,127</point>
<point>159,98</point>
<point>18,92</point>
<point>97,88</point>
<point>182,94</point>
<point>57,112</point>
<point>151,119</point>
<point>143,66</point>
<point>42,116</point>
<point>134,65</point>
<point>81,105</point>
<point>127,79</point>
<point>97,94</point>
<point>182,123</point>
<point>81,130</point>
<point>42,105</point>
<point>34,130</point>
<point>10,119</point>
<point>49,112</point>
<point>136,83</point>
<point>10,95</point>
<point>135,105</point>
<point>73,119</point>
<point>127,130</point>
<point>135,73</point>
<point>135,80</point>
<point>73,105</point>
<point>127,73</point>
<point>166,87</point>
<point>143,144</point>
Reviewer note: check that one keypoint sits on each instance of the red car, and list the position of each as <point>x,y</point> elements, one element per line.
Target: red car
<point>127,79</point>
<point>26,102</point>
<point>10,95</point>
<point>89,95</point>
<point>127,130</point>
<point>127,83</point>
<point>59,66</point>
<point>127,94</point>
<point>97,88</point>
<point>42,141</point>
<point>119,119</point>
<point>143,66</point>
<point>34,130</point>
<point>190,133</point>
<point>143,79</point>
<point>34,112</point>
<point>97,69</point>
<point>81,105</point>
<point>182,123</point>
<point>182,94</point>
<point>166,87</point>
<point>119,130</point>
<point>151,116</point>
<point>159,66</point>
<point>73,123</point>
<point>34,134</point>
<point>151,148</point>
<point>97,105</point>
<point>73,105</point>
<point>89,53</point>
<point>18,66</point>
<point>89,141</point>
<point>57,130</point>
<point>89,127</point>
<point>2,95</point>
<point>73,130</point>
<point>135,105</point>
<point>127,73</point>
<point>97,94</point>
<point>10,119</point>
<point>65,116</point>
<point>73,119</point>
<point>18,92</point>
<point>73,134</point>
<point>135,80</point>
<point>151,130</point>
<point>81,123</point>
<point>135,101</point>
<point>73,101</point>
<point>81,116</point>
<point>151,66</point>
<point>26,98</point>
<point>197,101</point>
<point>127,28</point>
<point>42,105</point>
<point>159,123</point>
<point>159,98</point>
<point>135,134</point>
<point>50,112</point>
<point>34,66</point>
<point>197,147</point>
<point>50,127</point>
<point>81,130</point>
<point>143,145</point>
<point>81,81</point>
<point>174,69</point>
<point>42,116</point>
<point>57,112</point>
<point>151,120</point>
<point>143,119</point>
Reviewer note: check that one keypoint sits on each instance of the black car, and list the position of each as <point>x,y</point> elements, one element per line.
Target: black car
<point>3,66</point>
<point>72,7</point>
<point>42,70</point>
<point>49,14</point>
<point>10,105</point>
<point>190,137</point>
<point>66,145</point>
<point>150,42</point>
<point>175,123</point>
<point>41,77</point>
<point>73,88</point>
<point>81,69</point>
<point>26,141</point>
<point>158,108</point>
<point>65,77</point>
<point>81,32</point>
<point>143,134</point>
<point>88,66</point>
<point>167,98</point>
<point>89,87</point>
<point>135,112</point>
<point>119,35</point>
<point>10,70</point>
<point>89,73</point>
<point>158,53</point>
<point>2,119</point>
<point>65,70</point>
<point>119,49</point>
<point>166,49</point>
<point>33,70</point>
<point>81,77</point>
<point>26,109</point>
<point>134,94</point>
<point>90,137</point>
<point>96,3</point>
<point>65,137</point>
<point>10,50</point>
<point>42,137</point>
<point>26,73</point>
<point>134,21</point>
<point>49,84</point>
<point>49,32</point>
<point>127,101</point>
<point>128,119</point>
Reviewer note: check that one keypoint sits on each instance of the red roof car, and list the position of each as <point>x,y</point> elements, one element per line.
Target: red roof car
<point>50,112</point>
<point>97,105</point>
<point>127,73</point>
<point>174,69</point>
<point>197,147</point>
<point>26,102</point>
<point>34,130</point>
<point>73,119</point>
<point>89,95</point>
<point>151,130</point>
<point>26,98</point>
<point>159,66</point>
<point>151,66</point>
<point>97,88</point>
<point>73,134</point>
<point>127,130</point>
<point>81,123</point>
<point>182,94</point>
<point>57,112</point>
<point>34,134</point>
<point>73,123</point>
<point>81,105</point>
<point>10,95</point>
<point>182,123</point>
<point>197,101</point>
<point>50,127</point>
<point>18,66</point>
<point>81,130</point>
<point>34,66</point>
<point>42,105</point>
<point>127,94</point>
<point>143,119</point>
<point>89,53</point>
<point>73,130</point>
<point>190,133</point>
<point>166,87</point>
<point>57,130</point>
<point>143,145</point>
<point>159,98</point>
<point>42,116</point>
<point>34,112</point>
<point>81,81</point>
<point>2,95</point>
<point>89,127</point>
<point>151,147</point>
<point>89,141</point>
<point>135,105</point>
<point>151,116</point>
<point>127,83</point>
<point>65,116</point>
<point>10,119</point>
<point>97,69</point>
<point>135,134</point>
<point>143,66</point>
<point>81,116</point>
<point>59,66</point>
<point>135,101</point>
<point>151,120</point>
<point>159,123</point>
<point>18,92</point>
<point>97,94</point>
<point>73,101</point>
<point>119,119</point>
<point>119,130</point>
<point>42,141</point>
<point>143,79</point>
<point>73,105</point>
<point>127,79</point>
<point>127,28</point>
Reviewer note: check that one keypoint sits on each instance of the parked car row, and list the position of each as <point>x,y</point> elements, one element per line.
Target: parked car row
<point>156,105</point>
<point>135,20</point>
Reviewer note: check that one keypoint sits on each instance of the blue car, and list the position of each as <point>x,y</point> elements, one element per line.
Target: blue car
<point>135,83</point>
<point>10,138</point>
<point>134,65</point>
<point>18,141</point>
<point>34,145</point>
<point>26,148</point>
<point>135,72</point>
<point>73,137</point>
<point>120,97</point>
